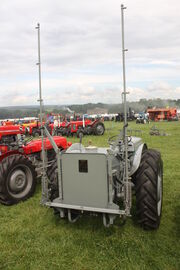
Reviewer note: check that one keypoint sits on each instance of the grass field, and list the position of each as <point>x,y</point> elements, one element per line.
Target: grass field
<point>31,237</point>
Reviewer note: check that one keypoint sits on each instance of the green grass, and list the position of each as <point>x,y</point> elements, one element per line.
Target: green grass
<point>31,237</point>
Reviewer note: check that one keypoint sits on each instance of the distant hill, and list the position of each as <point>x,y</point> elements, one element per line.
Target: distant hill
<point>141,105</point>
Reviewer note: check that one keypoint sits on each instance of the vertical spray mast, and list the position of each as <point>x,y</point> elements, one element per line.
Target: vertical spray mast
<point>41,118</point>
<point>125,137</point>
<point>39,68</point>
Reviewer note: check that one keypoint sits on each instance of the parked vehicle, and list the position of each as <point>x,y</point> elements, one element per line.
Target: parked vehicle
<point>142,118</point>
<point>160,114</point>
<point>81,128</point>
<point>21,163</point>
<point>33,128</point>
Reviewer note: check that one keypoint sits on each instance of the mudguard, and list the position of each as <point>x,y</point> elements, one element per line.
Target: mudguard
<point>137,158</point>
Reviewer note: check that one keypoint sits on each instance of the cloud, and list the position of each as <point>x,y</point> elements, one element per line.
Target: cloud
<point>81,50</point>
<point>165,90</point>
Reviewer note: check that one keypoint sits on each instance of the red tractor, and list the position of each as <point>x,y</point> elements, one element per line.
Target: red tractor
<point>21,163</point>
<point>33,128</point>
<point>8,133</point>
<point>81,128</point>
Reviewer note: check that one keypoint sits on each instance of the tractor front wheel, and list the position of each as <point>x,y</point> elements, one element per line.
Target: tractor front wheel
<point>36,133</point>
<point>148,187</point>
<point>17,179</point>
<point>80,134</point>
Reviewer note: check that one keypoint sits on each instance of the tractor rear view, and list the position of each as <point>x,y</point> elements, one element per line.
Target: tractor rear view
<point>100,181</point>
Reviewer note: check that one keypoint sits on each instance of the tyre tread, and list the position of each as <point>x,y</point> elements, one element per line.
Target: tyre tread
<point>146,189</point>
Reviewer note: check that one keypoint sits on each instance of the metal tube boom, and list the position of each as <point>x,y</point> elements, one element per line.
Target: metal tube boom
<point>44,180</point>
<point>125,137</point>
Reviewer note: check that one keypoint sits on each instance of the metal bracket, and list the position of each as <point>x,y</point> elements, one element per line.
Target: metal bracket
<point>108,223</point>
<point>72,220</point>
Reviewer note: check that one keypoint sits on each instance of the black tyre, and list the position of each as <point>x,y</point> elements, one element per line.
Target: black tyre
<point>80,134</point>
<point>67,132</point>
<point>51,154</point>
<point>36,133</point>
<point>53,181</point>
<point>99,128</point>
<point>59,133</point>
<point>17,179</point>
<point>148,186</point>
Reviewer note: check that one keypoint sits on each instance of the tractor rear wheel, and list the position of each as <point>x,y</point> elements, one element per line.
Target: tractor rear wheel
<point>79,134</point>
<point>53,181</point>
<point>17,179</point>
<point>148,187</point>
<point>99,128</point>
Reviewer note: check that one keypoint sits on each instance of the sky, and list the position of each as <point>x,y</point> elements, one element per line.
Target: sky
<point>81,50</point>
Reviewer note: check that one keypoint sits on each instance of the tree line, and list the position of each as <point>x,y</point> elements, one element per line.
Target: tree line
<point>137,106</point>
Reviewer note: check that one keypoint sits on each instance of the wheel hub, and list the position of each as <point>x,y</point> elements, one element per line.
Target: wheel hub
<point>99,129</point>
<point>17,181</point>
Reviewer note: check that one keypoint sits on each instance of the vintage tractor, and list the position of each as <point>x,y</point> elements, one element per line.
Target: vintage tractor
<point>8,133</point>
<point>81,128</point>
<point>142,118</point>
<point>21,163</point>
<point>100,181</point>
<point>120,116</point>
<point>33,129</point>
